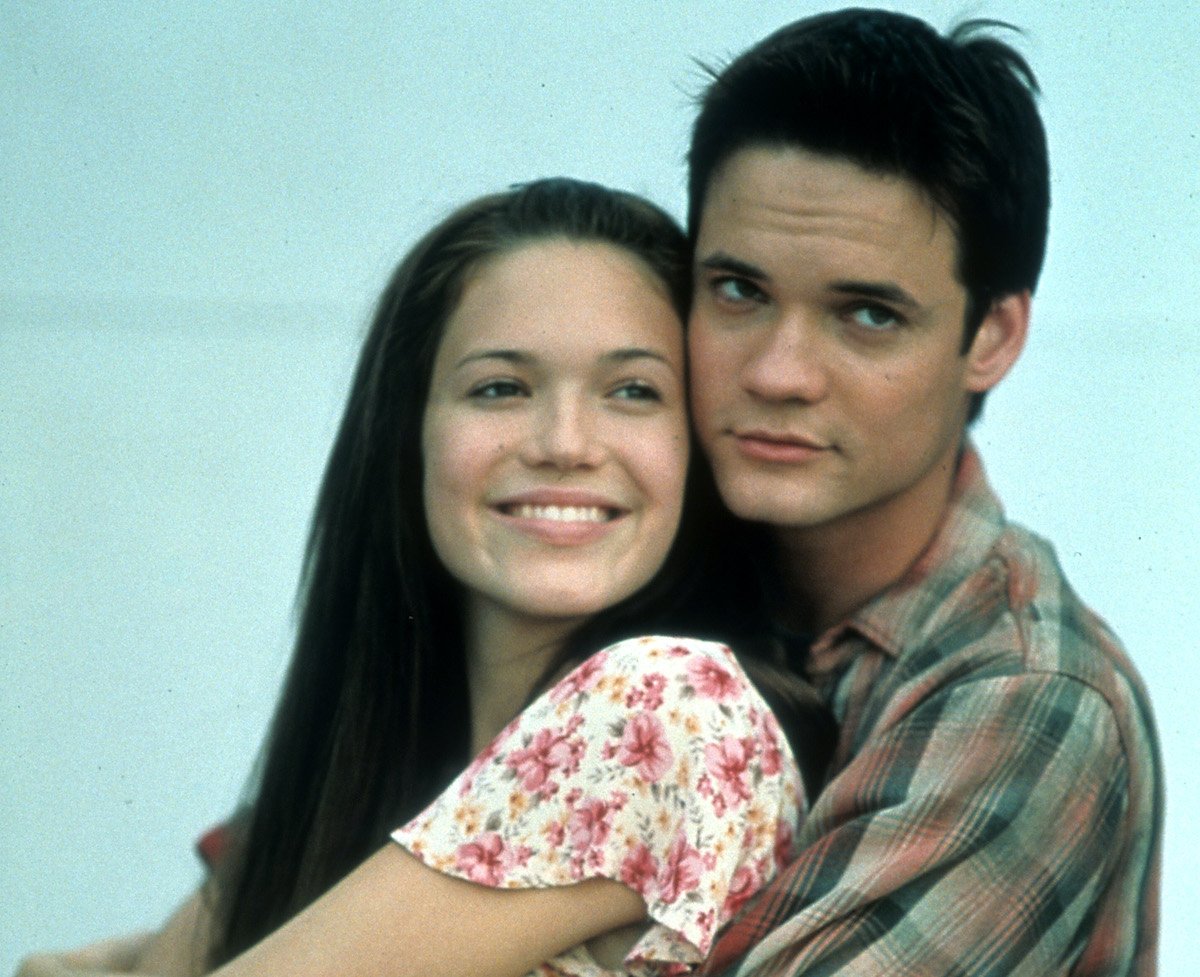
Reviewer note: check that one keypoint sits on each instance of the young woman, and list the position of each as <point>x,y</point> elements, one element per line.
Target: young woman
<point>506,496</point>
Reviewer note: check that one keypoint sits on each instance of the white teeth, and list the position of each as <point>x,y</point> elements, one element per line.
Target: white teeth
<point>562,513</point>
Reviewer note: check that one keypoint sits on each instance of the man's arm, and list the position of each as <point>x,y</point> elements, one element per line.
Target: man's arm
<point>177,949</point>
<point>976,835</point>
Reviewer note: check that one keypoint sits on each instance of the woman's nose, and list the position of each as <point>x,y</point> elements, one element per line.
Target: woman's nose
<point>564,435</point>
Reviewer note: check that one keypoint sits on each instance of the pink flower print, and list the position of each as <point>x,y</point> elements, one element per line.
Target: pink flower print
<point>547,751</point>
<point>482,760</point>
<point>555,834</point>
<point>711,680</point>
<point>742,886</point>
<point>649,693</point>
<point>770,756</point>
<point>727,762</point>
<point>644,747</point>
<point>589,825</point>
<point>483,860</point>
<point>639,869</point>
<point>681,870</point>
<point>652,690</point>
<point>518,857</point>
<point>580,680</point>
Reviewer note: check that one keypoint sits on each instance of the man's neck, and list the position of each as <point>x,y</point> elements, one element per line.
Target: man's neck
<point>828,572</point>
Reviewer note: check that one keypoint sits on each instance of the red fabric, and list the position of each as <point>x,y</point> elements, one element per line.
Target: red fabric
<point>214,845</point>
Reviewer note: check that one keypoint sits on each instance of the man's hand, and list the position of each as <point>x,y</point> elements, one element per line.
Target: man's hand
<point>119,955</point>
<point>177,950</point>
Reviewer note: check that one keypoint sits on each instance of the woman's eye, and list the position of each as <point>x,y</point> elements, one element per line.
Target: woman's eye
<point>637,390</point>
<point>737,290</point>
<point>875,318</point>
<point>496,389</point>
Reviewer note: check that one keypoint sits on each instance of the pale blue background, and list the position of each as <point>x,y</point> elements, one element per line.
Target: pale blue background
<point>198,204</point>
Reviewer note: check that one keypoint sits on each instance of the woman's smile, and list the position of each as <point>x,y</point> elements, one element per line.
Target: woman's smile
<point>555,438</point>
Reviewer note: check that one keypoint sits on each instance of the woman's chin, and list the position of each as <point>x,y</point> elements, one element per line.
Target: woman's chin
<point>568,606</point>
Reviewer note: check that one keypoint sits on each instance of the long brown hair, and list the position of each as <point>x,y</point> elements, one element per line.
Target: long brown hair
<point>374,719</point>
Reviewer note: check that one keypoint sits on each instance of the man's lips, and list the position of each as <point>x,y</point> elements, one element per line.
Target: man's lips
<point>778,447</point>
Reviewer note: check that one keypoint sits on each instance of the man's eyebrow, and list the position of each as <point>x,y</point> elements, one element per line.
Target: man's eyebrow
<point>884,291</point>
<point>720,261</point>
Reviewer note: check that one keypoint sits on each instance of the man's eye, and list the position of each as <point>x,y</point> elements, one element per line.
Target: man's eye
<point>496,389</point>
<point>637,390</point>
<point>733,289</point>
<point>875,317</point>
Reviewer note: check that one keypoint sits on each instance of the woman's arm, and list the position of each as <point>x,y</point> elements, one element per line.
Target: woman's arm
<point>396,917</point>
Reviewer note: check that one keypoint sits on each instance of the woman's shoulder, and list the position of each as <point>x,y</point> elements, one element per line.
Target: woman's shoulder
<point>698,667</point>
<point>660,650</point>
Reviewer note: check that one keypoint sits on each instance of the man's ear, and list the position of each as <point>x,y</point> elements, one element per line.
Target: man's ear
<point>999,342</point>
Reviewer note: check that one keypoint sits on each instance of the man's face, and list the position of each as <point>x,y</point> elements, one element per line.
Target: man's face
<point>825,341</point>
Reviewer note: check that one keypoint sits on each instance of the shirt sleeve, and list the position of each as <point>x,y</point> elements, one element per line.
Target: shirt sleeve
<point>971,838</point>
<point>655,763</point>
<point>213,846</point>
<point>216,844</point>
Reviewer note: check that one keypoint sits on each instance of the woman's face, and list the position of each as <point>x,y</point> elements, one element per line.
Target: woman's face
<point>555,439</point>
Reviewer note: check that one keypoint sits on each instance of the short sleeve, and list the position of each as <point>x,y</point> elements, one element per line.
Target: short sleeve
<point>654,763</point>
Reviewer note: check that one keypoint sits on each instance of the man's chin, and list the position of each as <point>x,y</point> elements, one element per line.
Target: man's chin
<point>776,509</point>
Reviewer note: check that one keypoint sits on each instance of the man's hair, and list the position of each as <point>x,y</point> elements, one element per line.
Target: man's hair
<point>955,115</point>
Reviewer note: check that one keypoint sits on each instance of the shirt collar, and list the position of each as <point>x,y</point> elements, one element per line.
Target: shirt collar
<point>891,620</point>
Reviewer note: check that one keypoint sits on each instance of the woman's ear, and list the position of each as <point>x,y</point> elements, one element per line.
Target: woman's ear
<point>998,342</point>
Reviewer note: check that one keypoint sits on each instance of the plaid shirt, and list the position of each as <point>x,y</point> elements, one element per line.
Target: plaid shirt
<point>995,805</point>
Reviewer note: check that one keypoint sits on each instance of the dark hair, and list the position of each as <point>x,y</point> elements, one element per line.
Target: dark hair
<point>955,115</point>
<point>374,719</point>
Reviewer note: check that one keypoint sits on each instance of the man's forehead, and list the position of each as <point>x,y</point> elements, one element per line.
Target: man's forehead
<point>766,201</point>
<point>791,177</point>
<point>788,190</point>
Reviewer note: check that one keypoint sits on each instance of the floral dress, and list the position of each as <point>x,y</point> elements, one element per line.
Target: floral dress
<point>655,763</point>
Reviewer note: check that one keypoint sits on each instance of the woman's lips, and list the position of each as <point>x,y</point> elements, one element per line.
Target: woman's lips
<point>768,446</point>
<point>561,518</point>
<point>561,513</point>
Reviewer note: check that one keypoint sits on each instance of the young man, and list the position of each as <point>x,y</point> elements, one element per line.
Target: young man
<point>869,203</point>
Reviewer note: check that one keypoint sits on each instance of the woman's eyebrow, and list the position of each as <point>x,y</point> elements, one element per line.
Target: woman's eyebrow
<point>521,357</point>
<point>636,353</point>
<point>506,355</point>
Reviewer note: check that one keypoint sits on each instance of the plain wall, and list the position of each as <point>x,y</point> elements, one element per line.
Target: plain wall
<point>198,205</point>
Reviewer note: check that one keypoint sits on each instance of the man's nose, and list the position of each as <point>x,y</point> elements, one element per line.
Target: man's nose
<point>788,364</point>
